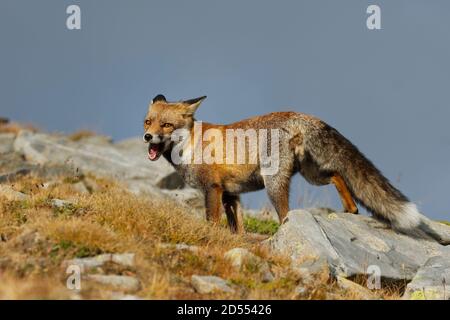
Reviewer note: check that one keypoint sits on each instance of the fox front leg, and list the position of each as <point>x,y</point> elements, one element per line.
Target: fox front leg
<point>213,204</point>
<point>232,206</point>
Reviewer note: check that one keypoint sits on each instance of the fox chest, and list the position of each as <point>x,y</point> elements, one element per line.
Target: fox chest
<point>237,185</point>
<point>189,175</point>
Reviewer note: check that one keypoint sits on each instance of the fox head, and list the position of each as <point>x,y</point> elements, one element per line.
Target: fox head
<point>163,118</point>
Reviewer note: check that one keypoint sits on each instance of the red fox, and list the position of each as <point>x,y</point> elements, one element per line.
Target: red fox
<point>306,145</point>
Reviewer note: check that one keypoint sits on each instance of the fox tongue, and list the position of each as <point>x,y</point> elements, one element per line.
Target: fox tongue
<point>153,151</point>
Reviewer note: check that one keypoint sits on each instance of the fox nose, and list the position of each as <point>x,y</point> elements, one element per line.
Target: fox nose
<point>147,137</point>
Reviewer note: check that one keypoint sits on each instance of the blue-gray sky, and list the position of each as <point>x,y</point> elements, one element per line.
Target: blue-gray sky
<point>386,90</point>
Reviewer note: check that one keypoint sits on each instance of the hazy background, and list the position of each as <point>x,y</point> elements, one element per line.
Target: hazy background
<point>386,90</point>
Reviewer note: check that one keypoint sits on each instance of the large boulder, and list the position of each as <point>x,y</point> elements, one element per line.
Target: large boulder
<point>354,245</point>
<point>431,281</point>
<point>101,159</point>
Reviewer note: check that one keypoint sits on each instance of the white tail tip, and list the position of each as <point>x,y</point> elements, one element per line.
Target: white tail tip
<point>408,218</point>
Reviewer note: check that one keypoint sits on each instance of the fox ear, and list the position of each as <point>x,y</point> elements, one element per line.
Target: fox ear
<point>193,104</point>
<point>159,97</point>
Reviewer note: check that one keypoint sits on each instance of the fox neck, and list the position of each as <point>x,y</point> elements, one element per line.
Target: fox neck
<point>167,154</point>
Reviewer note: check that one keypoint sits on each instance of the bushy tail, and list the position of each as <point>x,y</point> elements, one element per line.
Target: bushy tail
<point>334,153</point>
<point>373,191</point>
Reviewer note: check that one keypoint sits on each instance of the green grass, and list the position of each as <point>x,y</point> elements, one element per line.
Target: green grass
<point>255,225</point>
<point>445,222</point>
<point>77,250</point>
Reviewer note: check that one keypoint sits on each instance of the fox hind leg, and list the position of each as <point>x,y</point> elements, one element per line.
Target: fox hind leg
<point>232,206</point>
<point>344,193</point>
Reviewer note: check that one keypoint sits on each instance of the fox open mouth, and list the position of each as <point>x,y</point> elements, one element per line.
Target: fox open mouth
<point>155,151</point>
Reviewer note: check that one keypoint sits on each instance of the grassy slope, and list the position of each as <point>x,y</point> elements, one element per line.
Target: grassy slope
<point>113,220</point>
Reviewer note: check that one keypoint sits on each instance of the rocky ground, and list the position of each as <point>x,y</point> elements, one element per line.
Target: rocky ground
<point>131,229</point>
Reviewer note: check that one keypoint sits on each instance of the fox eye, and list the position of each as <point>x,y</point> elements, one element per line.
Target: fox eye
<point>148,122</point>
<point>167,125</point>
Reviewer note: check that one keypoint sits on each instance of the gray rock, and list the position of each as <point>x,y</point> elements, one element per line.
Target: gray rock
<point>96,139</point>
<point>125,283</point>
<point>12,195</point>
<point>210,284</point>
<point>90,262</point>
<point>192,197</point>
<point>80,187</point>
<point>13,166</point>
<point>11,176</point>
<point>55,172</point>
<point>300,290</point>
<point>311,266</point>
<point>61,204</point>
<point>351,243</point>
<point>124,259</point>
<point>143,187</point>
<point>103,160</point>
<point>360,292</point>
<point>240,256</point>
<point>180,246</point>
<point>267,275</point>
<point>310,269</point>
<point>7,142</point>
<point>121,296</point>
<point>443,230</point>
<point>26,241</point>
<point>432,281</point>
<point>11,162</point>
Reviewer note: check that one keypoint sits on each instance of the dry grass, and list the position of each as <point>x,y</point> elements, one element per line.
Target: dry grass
<point>15,128</point>
<point>82,134</point>
<point>36,239</point>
